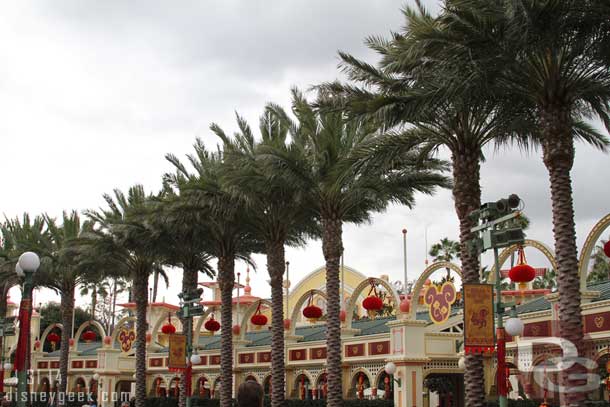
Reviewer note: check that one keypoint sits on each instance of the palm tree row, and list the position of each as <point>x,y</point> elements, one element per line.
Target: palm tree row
<point>523,72</point>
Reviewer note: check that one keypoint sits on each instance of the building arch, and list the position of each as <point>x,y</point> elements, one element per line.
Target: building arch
<point>157,383</point>
<point>79,331</point>
<point>200,321</point>
<point>361,287</point>
<point>297,307</point>
<point>82,381</point>
<point>587,249</point>
<point>535,244</point>
<point>248,314</point>
<point>419,284</point>
<point>352,390</point>
<point>251,376</point>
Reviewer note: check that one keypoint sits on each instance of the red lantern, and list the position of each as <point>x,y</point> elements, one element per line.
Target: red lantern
<point>89,336</point>
<point>311,311</point>
<point>607,248</point>
<point>169,328</point>
<point>372,304</point>
<point>258,319</point>
<point>53,338</point>
<point>342,315</point>
<point>36,344</point>
<point>405,306</point>
<point>108,339</point>
<point>287,324</point>
<point>522,273</point>
<point>71,342</point>
<point>212,325</point>
<point>236,329</point>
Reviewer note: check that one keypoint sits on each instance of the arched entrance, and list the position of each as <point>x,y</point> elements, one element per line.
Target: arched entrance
<point>202,388</point>
<point>267,385</point>
<point>45,385</point>
<point>302,387</point>
<point>360,386</point>
<point>123,389</point>
<point>174,388</point>
<point>79,386</point>
<point>602,369</point>
<point>158,388</point>
<point>444,389</point>
<point>216,388</point>
<point>322,386</point>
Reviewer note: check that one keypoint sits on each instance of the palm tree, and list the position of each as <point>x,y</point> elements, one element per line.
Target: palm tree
<point>226,217</point>
<point>321,162</point>
<point>122,241</point>
<point>280,215</point>
<point>445,250</point>
<point>548,280</point>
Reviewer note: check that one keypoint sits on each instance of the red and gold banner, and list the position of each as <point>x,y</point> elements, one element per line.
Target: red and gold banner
<point>478,318</point>
<point>177,351</point>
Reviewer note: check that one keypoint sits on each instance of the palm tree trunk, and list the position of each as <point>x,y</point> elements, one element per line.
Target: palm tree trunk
<point>114,292</point>
<point>3,308</point>
<point>66,307</point>
<point>189,283</point>
<point>558,156</point>
<point>467,198</point>
<point>226,280</point>
<point>140,293</point>
<point>332,246</point>
<point>155,286</point>
<point>275,266</point>
<point>93,301</point>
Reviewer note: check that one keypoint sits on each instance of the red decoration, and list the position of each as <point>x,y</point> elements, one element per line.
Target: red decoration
<point>607,248</point>
<point>258,319</point>
<point>311,311</point>
<point>71,342</point>
<point>212,325</point>
<point>342,315</point>
<point>89,336</point>
<point>287,323</point>
<point>36,344</point>
<point>169,328</point>
<point>405,305</point>
<point>522,273</point>
<point>236,329</point>
<point>53,338</point>
<point>372,304</point>
<point>108,339</point>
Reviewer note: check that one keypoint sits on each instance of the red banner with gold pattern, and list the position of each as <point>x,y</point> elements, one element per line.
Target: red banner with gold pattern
<point>177,352</point>
<point>478,318</point>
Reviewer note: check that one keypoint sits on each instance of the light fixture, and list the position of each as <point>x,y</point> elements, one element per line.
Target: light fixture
<point>19,270</point>
<point>195,359</point>
<point>462,363</point>
<point>29,261</point>
<point>390,369</point>
<point>96,377</point>
<point>8,366</point>
<point>514,326</point>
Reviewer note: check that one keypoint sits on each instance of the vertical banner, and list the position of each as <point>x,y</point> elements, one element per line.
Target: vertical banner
<point>478,318</point>
<point>177,352</point>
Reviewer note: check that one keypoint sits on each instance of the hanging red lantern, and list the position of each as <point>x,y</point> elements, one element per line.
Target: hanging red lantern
<point>607,248</point>
<point>169,328</point>
<point>71,342</point>
<point>522,273</point>
<point>212,325</point>
<point>342,315</point>
<point>236,329</point>
<point>37,344</point>
<point>311,311</point>
<point>287,324</point>
<point>108,339</point>
<point>258,319</point>
<point>405,306</point>
<point>53,338</point>
<point>89,336</point>
<point>372,304</point>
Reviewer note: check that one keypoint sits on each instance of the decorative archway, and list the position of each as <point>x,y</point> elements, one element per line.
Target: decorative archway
<point>156,327</point>
<point>296,310</point>
<point>361,287</point>
<point>587,249</point>
<point>535,244</point>
<point>361,379</point>
<point>80,385</point>
<point>119,327</point>
<point>302,384</point>
<point>419,284</point>
<point>251,376</point>
<point>84,325</point>
<point>200,322</point>
<point>173,389</point>
<point>199,389</point>
<point>267,385</point>
<point>249,312</point>
<point>158,387</point>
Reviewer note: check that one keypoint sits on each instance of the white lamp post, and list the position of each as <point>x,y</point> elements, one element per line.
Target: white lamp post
<point>390,369</point>
<point>26,267</point>
<point>514,326</point>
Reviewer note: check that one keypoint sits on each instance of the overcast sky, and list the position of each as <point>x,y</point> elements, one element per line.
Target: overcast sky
<point>93,94</point>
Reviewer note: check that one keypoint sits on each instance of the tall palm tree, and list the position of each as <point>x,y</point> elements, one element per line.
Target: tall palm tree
<point>321,162</point>
<point>408,93</point>
<point>122,241</point>
<point>280,215</point>
<point>227,224</point>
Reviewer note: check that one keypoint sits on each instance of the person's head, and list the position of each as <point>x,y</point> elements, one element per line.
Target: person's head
<point>250,394</point>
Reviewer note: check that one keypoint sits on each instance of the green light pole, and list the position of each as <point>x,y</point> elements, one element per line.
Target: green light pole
<point>190,308</point>
<point>26,267</point>
<point>497,229</point>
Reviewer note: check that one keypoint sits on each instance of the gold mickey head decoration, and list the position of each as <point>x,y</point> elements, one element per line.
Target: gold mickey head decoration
<point>440,300</point>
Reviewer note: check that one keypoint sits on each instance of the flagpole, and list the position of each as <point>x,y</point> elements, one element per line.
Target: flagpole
<point>404,251</point>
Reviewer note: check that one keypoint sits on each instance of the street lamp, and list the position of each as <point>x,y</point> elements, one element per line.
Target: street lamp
<point>190,307</point>
<point>26,267</point>
<point>390,369</point>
